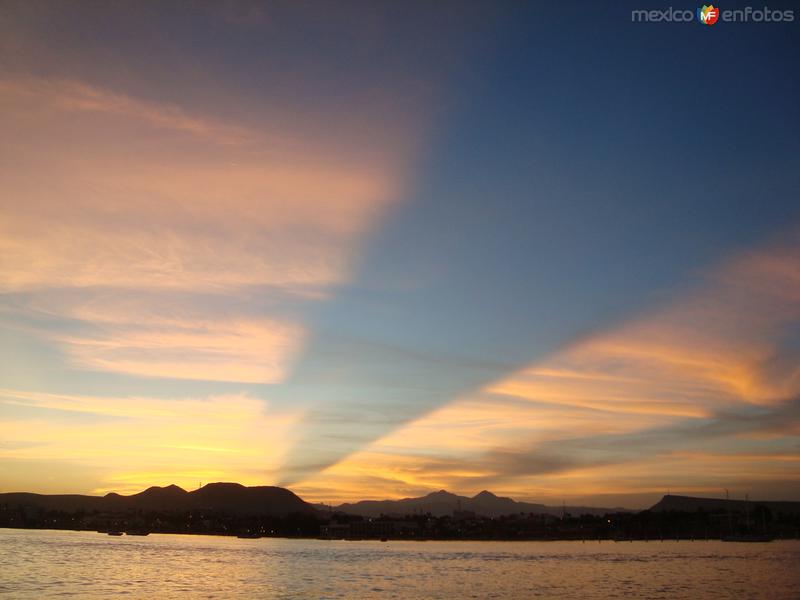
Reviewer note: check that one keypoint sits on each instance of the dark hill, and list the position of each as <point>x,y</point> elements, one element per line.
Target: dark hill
<point>443,503</point>
<point>63,502</point>
<point>691,504</point>
<point>238,499</point>
<point>231,498</point>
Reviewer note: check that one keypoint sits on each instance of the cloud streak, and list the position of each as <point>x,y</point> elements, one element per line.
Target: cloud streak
<point>676,398</point>
<point>212,209</point>
<point>52,99</point>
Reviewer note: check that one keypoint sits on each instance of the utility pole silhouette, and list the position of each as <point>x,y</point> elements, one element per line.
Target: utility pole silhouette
<point>730,517</point>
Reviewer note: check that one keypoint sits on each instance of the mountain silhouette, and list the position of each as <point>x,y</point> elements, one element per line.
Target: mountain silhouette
<point>231,498</point>
<point>692,504</point>
<point>484,503</point>
<point>237,499</point>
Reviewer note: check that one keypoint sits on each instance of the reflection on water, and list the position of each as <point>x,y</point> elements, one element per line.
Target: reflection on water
<point>35,564</point>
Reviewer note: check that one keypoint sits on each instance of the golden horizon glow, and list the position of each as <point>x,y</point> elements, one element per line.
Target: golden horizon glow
<point>133,443</point>
<point>368,262</point>
<point>659,371</point>
<point>674,367</point>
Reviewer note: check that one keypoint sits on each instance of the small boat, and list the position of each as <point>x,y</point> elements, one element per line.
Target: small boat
<point>248,536</point>
<point>114,533</point>
<point>137,533</point>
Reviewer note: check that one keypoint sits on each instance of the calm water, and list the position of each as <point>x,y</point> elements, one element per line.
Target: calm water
<point>37,564</point>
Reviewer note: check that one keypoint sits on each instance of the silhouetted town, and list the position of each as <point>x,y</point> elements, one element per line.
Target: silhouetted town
<point>231,509</point>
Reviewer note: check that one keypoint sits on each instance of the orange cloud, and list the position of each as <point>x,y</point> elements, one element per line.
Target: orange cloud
<point>221,350</point>
<point>614,413</point>
<point>64,96</point>
<point>119,197</point>
<point>115,210</point>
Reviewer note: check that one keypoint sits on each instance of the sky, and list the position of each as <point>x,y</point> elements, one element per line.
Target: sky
<point>378,249</point>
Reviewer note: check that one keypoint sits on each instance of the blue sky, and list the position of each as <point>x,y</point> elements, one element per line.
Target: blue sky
<point>345,220</point>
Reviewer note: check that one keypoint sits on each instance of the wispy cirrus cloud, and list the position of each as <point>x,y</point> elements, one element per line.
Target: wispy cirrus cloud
<point>116,198</point>
<point>176,209</point>
<point>53,98</point>
<point>222,350</point>
<point>118,208</point>
<point>698,395</point>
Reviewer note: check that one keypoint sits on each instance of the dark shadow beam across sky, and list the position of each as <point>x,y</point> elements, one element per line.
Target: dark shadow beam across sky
<point>585,168</point>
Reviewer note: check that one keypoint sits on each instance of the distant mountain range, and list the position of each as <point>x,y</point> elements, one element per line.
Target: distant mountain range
<point>236,499</point>
<point>444,503</point>
<point>232,498</point>
<point>692,504</point>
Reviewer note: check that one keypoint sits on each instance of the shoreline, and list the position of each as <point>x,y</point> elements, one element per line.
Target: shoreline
<point>399,539</point>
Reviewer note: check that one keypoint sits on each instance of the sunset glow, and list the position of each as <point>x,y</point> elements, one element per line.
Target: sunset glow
<point>369,275</point>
